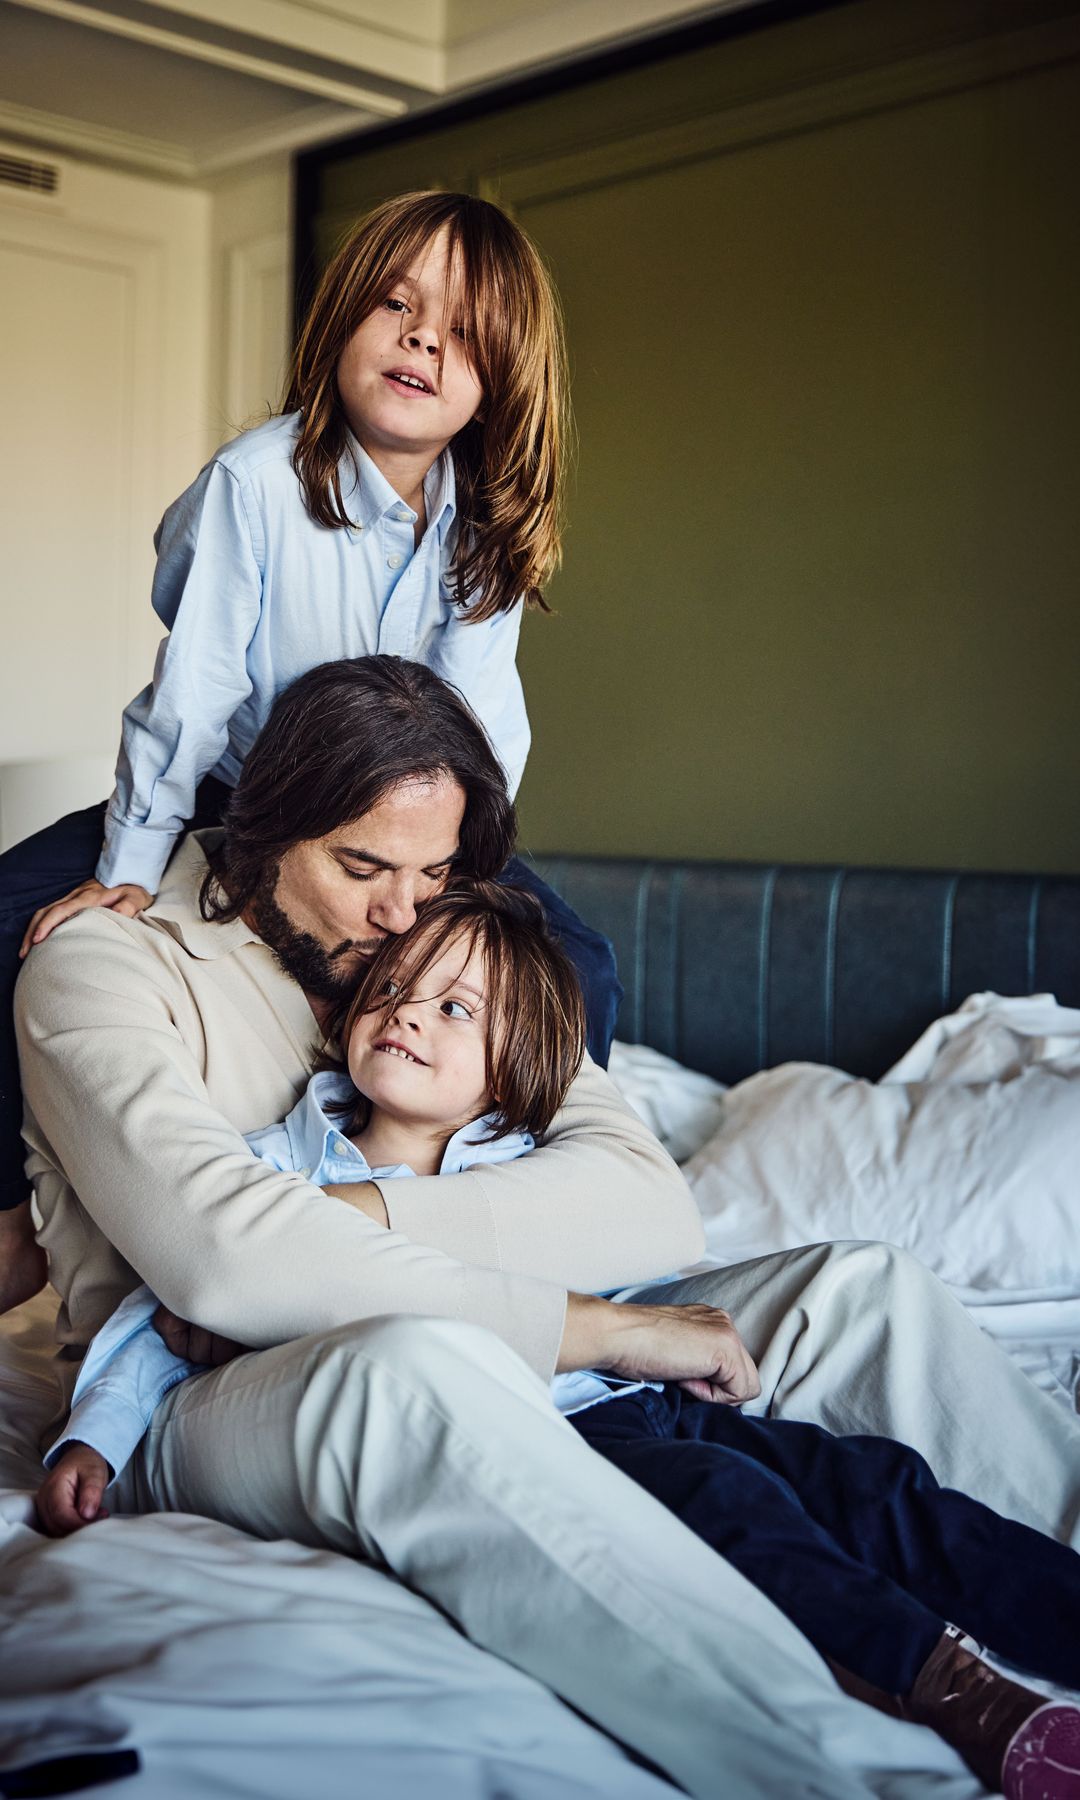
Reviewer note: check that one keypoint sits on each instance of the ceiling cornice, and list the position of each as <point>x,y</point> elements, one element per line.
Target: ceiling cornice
<point>404,62</point>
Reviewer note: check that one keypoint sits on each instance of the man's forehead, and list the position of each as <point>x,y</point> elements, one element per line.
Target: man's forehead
<point>416,820</point>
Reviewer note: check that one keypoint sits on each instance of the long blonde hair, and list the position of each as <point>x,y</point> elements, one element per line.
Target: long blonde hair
<point>508,461</point>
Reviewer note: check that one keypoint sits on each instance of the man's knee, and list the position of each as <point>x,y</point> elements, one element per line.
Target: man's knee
<point>874,1269</point>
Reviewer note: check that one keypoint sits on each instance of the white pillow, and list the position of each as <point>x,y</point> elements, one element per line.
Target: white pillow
<point>979,1178</point>
<point>681,1106</point>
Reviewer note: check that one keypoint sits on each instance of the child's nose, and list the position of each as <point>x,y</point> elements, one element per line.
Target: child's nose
<point>422,335</point>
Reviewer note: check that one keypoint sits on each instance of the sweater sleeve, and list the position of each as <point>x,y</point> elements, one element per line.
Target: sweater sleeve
<point>118,1111</point>
<point>598,1205</point>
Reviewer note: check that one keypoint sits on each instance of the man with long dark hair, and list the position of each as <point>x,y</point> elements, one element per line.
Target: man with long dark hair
<point>391,1407</point>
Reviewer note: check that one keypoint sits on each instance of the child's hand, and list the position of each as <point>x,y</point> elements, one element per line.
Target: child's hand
<point>192,1343</point>
<point>127,899</point>
<point>70,1495</point>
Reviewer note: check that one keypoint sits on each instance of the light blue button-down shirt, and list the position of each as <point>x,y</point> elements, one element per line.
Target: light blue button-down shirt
<point>128,1369</point>
<point>254,593</point>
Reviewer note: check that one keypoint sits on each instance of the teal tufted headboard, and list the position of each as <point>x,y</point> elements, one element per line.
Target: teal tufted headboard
<point>733,967</point>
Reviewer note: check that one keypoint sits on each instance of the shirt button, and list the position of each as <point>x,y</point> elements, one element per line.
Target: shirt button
<point>403,515</point>
<point>305,1173</point>
<point>394,562</point>
<point>343,1147</point>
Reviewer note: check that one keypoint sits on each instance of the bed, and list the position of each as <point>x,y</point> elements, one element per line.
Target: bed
<point>243,1669</point>
<point>952,1129</point>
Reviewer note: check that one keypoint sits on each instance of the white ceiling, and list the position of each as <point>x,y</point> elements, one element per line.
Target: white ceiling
<point>186,88</point>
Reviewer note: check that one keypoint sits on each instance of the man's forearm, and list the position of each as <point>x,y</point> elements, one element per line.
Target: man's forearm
<point>597,1205</point>
<point>695,1345</point>
<point>588,1334</point>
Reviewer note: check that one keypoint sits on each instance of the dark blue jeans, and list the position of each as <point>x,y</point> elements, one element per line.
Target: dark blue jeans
<point>851,1537</point>
<point>54,860</point>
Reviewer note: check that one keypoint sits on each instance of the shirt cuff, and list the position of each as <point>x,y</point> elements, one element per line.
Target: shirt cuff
<point>527,1315</point>
<point>134,853</point>
<point>116,1438</point>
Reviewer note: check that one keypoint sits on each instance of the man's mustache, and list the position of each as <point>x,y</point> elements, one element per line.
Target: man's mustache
<point>355,947</point>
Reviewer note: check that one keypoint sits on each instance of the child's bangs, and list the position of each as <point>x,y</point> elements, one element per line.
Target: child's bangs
<point>402,240</point>
<point>500,974</point>
<point>407,974</point>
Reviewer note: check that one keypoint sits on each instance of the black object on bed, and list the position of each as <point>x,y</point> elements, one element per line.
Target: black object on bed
<point>734,967</point>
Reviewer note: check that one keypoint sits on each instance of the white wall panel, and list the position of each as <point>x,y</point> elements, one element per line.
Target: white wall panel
<point>103,294</point>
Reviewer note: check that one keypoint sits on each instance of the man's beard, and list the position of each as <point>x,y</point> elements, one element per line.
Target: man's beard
<point>324,974</point>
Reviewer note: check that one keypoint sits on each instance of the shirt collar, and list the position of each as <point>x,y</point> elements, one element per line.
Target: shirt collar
<point>311,1131</point>
<point>472,1144</point>
<point>368,495</point>
<point>440,495</point>
<point>313,1136</point>
<point>177,908</point>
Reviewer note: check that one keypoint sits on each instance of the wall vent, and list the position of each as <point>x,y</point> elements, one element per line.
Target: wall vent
<point>31,176</point>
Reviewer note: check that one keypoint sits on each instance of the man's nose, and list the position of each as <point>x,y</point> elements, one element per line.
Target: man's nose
<point>395,909</point>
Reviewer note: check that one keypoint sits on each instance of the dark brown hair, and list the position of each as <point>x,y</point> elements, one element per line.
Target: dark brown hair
<point>336,743</point>
<point>508,461</point>
<point>535,1014</point>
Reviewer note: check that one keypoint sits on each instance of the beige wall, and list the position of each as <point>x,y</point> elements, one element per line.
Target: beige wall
<point>250,285</point>
<point>103,358</point>
<point>820,595</point>
<point>144,322</point>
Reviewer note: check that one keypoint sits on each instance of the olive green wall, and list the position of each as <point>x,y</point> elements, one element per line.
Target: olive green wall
<point>820,595</point>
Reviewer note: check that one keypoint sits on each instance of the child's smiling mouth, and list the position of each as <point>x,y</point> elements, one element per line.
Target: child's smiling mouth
<point>387,1047</point>
<point>407,381</point>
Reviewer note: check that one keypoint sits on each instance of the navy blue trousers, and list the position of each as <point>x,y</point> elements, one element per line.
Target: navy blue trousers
<point>53,861</point>
<point>851,1537</point>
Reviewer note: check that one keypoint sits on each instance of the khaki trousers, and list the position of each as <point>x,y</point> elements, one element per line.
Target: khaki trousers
<point>428,1447</point>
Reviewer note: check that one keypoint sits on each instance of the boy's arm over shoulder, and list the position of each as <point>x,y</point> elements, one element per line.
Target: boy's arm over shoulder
<point>119,1115</point>
<point>599,1204</point>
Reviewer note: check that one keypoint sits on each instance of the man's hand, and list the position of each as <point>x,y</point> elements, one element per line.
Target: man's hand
<point>696,1346</point>
<point>71,1493</point>
<point>193,1343</point>
<point>127,899</point>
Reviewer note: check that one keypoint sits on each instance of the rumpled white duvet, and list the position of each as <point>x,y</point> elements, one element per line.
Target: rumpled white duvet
<point>250,1671</point>
<point>966,1153</point>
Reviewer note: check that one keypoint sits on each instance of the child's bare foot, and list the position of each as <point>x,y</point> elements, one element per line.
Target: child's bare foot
<point>24,1267</point>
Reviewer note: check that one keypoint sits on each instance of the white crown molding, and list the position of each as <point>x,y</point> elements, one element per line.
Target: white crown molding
<point>292,131</point>
<point>342,30</point>
<point>392,58</point>
<point>154,156</point>
<point>26,125</point>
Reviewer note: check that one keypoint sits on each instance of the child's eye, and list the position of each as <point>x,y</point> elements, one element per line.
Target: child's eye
<point>453,1009</point>
<point>397,305</point>
<point>391,989</point>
